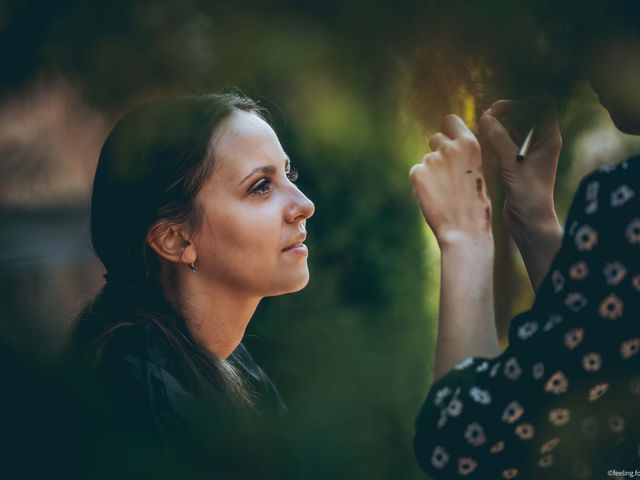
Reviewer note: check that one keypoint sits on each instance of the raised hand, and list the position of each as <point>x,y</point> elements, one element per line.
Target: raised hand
<point>528,210</point>
<point>450,187</point>
<point>528,184</point>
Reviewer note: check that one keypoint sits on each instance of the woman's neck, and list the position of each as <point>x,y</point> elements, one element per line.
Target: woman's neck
<point>216,316</point>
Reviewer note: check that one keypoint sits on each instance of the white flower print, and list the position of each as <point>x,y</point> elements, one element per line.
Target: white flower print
<point>592,197</point>
<point>559,417</point>
<point>441,395</point>
<point>573,338</point>
<point>558,281</point>
<point>513,412</point>
<point>589,426</point>
<point>456,394</point>
<point>578,270</point>
<point>598,391</point>
<point>475,434</point>
<point>511,369</point>
<point>634,385</point>
<point>439,458</point>
<point>443,419</point>
<point>538,370</point>
<point>549,445</point>
<point>552,322</point>
<point>592,191</point>
<point>611,307</point>
<point>466,465</point>
<point>546,461</point>
<point>483,397</point>
<point>629,348</point>
<point>621,195</point>
<point>614,272</point>
<point>591,362</point>
<point>498,447</point>
<point>525,431</point>
<point>616,423</point>
<point>482,367</point>
<point>635,281</point>
<point>467,362</point>
<point>633,231</point>
<point>575,301</point>
<point>557,383</point>
<point>495,369</point>
<point>454,408</point>
<point>510,473</point>
<point>527,329</point>
<point>586,238</point>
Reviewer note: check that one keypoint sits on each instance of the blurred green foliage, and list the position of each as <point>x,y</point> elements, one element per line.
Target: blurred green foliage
<point>352,88</point>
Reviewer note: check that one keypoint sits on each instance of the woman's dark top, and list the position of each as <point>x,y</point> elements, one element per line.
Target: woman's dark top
<point>563,400</point>
<point>195,438</point>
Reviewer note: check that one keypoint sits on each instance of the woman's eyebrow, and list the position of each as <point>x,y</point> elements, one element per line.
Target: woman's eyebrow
<point>271,169</point>
<point>264,169</point>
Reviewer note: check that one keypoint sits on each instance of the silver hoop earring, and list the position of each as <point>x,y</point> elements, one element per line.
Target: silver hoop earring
<point>193,268</point>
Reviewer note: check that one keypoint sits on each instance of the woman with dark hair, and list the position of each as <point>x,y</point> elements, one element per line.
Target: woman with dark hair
<point>196,217</point>
<point>561,400</point>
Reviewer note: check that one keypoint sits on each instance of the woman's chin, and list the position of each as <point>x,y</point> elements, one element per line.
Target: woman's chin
<point>293,284</point>
<point>303,282</point>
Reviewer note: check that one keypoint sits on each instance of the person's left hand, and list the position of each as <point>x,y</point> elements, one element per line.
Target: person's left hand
<point>528,211</point>
<point>450,187</point>
<point>528,185</point>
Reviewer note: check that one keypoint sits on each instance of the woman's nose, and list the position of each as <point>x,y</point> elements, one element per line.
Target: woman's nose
<point>300,208</point>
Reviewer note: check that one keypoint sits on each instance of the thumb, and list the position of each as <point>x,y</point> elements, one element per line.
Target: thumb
<point>497,137</point>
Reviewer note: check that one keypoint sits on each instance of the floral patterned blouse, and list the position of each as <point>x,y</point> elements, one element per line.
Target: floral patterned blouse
<point>563,400</point>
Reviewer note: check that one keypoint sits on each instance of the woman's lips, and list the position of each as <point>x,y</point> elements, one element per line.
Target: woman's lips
<point>297,249</point>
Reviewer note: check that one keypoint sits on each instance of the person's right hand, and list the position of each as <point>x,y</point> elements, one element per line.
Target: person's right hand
<point>528,184</point>
<point>450,188</point>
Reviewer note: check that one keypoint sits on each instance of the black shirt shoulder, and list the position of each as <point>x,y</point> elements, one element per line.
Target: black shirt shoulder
<point>145,372</point>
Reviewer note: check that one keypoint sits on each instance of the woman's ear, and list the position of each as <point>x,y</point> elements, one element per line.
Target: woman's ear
<point>172,242</point>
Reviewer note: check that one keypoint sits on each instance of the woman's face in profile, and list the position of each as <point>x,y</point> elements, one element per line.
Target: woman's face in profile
<point>254,215</point>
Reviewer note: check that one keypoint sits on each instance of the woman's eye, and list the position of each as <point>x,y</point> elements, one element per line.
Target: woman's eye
<point>292,174</point>
<point>262,187</point>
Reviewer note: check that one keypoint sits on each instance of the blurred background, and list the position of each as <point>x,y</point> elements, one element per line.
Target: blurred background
<point>354,89</point>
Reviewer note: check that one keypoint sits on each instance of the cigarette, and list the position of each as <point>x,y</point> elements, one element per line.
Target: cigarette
<point>524,149</point>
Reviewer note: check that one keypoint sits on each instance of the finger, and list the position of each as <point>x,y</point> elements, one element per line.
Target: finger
<point>432,157</point>
<point>454,127</point>
<point>437,140</point>
<point>420,171</point>
<point>501,108</point>
<point>497,136</point>
<point>416,171</point>
<point>519,116</point>
<point>540,111</point>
